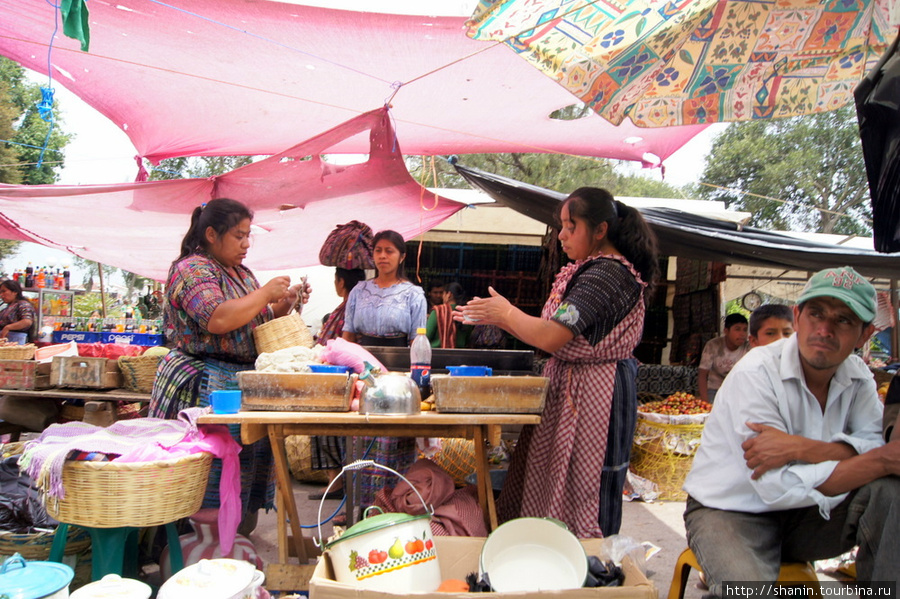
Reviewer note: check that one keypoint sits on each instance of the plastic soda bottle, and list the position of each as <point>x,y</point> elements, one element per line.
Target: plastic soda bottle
<point>420,362</point>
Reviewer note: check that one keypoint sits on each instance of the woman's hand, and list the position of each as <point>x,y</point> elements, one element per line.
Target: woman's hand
<point>277,289</point>
<point>485,310</point>
<point>4,332</point>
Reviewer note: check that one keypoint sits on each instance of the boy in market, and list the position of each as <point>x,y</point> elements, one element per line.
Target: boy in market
<point>720,355</point>
<point>771,322</point>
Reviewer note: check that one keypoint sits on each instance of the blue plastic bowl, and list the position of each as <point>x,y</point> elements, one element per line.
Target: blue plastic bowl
<point>470,370</point>
<point>330,368</point>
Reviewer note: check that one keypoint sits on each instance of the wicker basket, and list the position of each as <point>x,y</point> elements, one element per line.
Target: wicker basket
<point>281,333</point>
<point>37,545</point>
<point>138,372</point>
<point>17,352</point>
<point>139,494</point>
<point>664,453</point>
<point>457,457</point>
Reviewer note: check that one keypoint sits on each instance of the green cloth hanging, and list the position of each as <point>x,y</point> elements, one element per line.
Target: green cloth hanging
<point>75,21</point>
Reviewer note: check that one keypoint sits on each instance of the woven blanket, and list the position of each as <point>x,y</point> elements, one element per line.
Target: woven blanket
<point>43,458</point>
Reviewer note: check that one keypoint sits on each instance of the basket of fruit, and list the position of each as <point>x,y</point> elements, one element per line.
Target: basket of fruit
<point>666,439</point>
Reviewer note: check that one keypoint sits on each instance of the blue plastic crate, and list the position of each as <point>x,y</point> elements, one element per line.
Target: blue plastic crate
<point>76,336</point>
<point>145,339</point>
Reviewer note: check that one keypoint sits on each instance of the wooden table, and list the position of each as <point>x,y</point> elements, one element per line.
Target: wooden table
<point>85,394</point>
<point>278,425</point>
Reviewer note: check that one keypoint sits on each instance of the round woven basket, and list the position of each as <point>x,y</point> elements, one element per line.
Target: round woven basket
<point>138,372</point>
<point>281,333</point>
<point>664,454</point>
<point>457,457</point>
<point>139,494</point>
<point>17,352</point>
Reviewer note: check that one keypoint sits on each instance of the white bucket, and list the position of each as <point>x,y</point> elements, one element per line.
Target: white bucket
<point>388,552</point>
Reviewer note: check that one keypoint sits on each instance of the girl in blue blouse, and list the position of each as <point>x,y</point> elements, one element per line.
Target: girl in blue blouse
<point>385,311</point>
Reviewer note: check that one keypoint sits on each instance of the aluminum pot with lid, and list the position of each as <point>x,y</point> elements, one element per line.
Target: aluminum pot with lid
<point>390,395</point>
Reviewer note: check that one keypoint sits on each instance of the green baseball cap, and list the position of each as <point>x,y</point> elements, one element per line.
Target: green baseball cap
<point>844,284</point>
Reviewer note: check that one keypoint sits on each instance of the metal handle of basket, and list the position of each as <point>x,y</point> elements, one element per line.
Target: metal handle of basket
<point>359,465</point>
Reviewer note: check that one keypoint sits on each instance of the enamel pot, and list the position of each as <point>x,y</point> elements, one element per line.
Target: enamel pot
<point>391,552</point>
<point>20,579</point>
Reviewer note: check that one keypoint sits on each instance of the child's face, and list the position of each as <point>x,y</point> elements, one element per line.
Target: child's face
<point>736,335</point>
<point>772,329</point>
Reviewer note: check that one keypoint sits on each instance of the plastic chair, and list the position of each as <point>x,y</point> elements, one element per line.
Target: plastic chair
<point>114,550</point>
<point>802,572</point>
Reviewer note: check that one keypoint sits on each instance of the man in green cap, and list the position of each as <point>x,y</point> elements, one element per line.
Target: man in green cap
<point>792,465</point>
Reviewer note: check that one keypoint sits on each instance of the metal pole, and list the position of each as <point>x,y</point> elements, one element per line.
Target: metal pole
<point>102,291</point>
<point>895,330</point>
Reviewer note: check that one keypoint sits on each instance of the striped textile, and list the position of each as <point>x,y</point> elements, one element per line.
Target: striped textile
<point>556,468</point>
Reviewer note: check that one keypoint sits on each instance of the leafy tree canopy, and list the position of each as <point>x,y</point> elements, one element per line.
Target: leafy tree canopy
<point>21,122</point>
<point>559,172</point>
<point>814,164</point>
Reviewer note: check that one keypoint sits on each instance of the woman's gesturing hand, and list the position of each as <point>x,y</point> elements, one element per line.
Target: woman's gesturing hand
<point>485,310</point>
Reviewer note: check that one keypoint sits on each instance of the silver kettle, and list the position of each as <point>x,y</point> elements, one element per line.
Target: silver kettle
<point>389,395</point>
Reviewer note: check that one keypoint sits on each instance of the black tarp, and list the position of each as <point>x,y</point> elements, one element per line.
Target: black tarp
<point>697,237</point>
<point>878,111</point>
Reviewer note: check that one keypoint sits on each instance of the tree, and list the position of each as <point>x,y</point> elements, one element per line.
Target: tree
<point>197,167</point>
<point>813,163</point>
<point>559,172</point>
<point>19,111</point>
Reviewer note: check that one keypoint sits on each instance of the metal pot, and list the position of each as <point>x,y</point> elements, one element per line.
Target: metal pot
<point>221,578</point>
<point>389,552</point>
<point>20,579</point>
<point>390,395</point>
<point>113,586</point>
<point>533,554</point>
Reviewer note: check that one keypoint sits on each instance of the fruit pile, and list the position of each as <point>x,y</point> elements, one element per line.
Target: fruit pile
<point>677,404</point>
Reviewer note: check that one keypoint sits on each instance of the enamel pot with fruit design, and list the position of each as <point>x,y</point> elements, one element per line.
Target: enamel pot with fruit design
<point>386,552</point>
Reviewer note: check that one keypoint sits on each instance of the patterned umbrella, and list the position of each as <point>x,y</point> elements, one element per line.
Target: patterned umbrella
<point>678,62</point>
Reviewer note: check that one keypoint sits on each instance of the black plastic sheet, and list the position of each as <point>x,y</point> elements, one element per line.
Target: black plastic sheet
<point>878,111</point>
<point>696,237</point>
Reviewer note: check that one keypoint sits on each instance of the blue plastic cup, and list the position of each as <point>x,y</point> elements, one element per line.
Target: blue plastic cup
<point>225,401</point>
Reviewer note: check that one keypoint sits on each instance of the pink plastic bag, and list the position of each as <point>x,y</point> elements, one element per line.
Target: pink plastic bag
<point>341,352</point>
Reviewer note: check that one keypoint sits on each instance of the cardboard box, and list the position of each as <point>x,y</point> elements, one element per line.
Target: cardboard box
<point>490,394</point>
<point>295,391</point>
<point>24,374</point>
<point>458,556</point>
<point>85,373</point>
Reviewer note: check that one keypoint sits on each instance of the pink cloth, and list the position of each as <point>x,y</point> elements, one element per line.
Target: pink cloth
<point>456,511</point>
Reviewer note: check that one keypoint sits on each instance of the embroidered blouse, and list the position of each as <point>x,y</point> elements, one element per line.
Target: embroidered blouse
<point>397,310</point>
<point>197,284</point>
<point>16,311</point>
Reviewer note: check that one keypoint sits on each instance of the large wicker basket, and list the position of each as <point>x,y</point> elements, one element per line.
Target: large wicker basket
<point>139,494</point>
<point>663,453</point>
<point>457,457</point>
<point>281,333</point>
<point>37,545</point>
<point>138,372</point>
<point>17,352</point>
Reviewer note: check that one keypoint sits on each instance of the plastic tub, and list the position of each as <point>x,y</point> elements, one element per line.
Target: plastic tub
<point>470,370</point>
<point>329,368</point>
